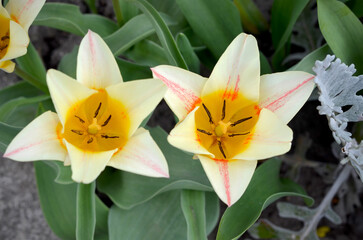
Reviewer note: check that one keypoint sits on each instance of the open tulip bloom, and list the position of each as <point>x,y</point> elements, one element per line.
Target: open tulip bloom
<point>235,117</point>
<point>97,120</point>
<point>15,20</point>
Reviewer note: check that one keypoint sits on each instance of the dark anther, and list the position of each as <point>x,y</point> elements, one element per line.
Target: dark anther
<point>4,38</point>
<point>240,121</point>
<point>90,140</point>
<point>237,134</point>
<point>80,119</point>
<point>106,122</point>
<point>224,109</point>
<point>2,48</point>
<point>98,109</point>
<point>208,113</point>
<point>204,131</point>
<point>79,132</point>
<point>221,149</point>
<point>106,136</point>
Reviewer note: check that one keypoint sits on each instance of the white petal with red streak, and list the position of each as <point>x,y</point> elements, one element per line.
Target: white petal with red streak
<point>285,93</point>
<point>270,137</point>
<point>139,97</point>
<point>18,43</point>
<point>66,92</point>
<point>237,72</point>
<point>38,141</point>
<point>228,178</point>
<point>24,11</point>
<point>184,136</point>
<point>184,88</point>
<point>96,65</point>
<point>141,155</point>
<point>86,166</point>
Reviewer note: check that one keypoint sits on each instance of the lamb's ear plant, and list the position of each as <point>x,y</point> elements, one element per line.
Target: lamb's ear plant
<point>103,173</point>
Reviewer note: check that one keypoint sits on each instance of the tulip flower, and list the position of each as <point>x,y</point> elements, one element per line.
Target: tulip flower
<point>235,117</point>
<point>97,120</point>
<point>15,20</point>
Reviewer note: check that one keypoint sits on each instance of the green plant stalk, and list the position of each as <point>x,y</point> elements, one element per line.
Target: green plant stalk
<point>118,12</point>
<point>86,211</point>
<point>30,79</point>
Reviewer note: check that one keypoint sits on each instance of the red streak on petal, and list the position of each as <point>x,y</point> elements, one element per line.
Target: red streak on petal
<point>236,89</point>
<point>26,7</point>
<point>92,49</point>
<point>223,170</point>
<point>189,99</point>
<point>18,150</point>
<point>279,102</point>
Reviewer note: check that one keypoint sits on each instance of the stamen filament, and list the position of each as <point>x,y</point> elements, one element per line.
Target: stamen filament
<point>221,149</point>
<point>237,134</point>
<point>240,121</point>
<point>106,122</point>
<point>80,119</point>
<point>79,132</point>
<point>224,109</point>
<point>106,136</point>
<point>4,38</point>
<point>204,131</point>
<point>97,110</point>
<point>208,113</point>
<point>90,140</point>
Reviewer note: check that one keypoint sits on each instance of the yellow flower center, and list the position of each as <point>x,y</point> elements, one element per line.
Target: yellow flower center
<point>98,123</point>
<point>224,126</point>
<point>4,35</point>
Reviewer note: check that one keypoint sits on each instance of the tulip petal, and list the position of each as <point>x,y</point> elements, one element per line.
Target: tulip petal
<point>139,97</point>
<point>96,65</point>
<point>24,11</point>
<point>39,140</point>
<point>237,72</point>
<point>270,137</point>
<point>3,12</point>
<point>228,178</point>
<point>86,166</point>
<point>184,136</point>
<point>285,93</point>
<point>8,66</point>
<point>184,88</point>
<point>65,92</point>
<point>141,155</point>
<point>18,43</point>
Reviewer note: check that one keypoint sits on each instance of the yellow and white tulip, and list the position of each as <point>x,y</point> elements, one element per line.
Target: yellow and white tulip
<point>235,117</point>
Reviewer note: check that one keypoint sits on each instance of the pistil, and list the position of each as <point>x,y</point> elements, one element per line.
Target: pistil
<point>94,127</point>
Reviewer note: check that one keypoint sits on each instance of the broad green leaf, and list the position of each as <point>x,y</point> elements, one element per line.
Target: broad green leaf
<point>19,89</point>
<point>7,108</point>
<point>188,53</point>
<point>216,22</point>
<point>33,64</point>
<point>92,5</point>
<point>160,218</point>
<point>251,17</point>
<point>127,190</point>
<point>147,53</point>
<point>128,11</point>
<point>68,63</point>
<point>167,41</point>
<point>284,14</point>
<point>86,211</point>
<point>356,6</point>
<point>307,63</point>
<point>193,206</point>
<point>264,188</point>
<point>132,32</point>
<point>342,31</point>
<point>58,203</point>
<point>264,64</point>
<point>68,18</point>
<point>8,132</point>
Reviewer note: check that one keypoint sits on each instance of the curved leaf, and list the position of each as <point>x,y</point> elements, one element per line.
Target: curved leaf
<point>8,132</point>
<point>188,53</point>
<point>264,188</point>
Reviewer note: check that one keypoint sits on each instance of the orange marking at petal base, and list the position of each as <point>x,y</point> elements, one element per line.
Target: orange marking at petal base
<point>223,170</point>
<point>26,7</point>
<point>60,135</point>
<point>230,93</point>
<point>14,18</point>
<point>189,99</point>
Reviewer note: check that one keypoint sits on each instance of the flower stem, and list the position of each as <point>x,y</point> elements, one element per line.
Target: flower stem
<point>86,211</point>
<point>31,79</point>
<point>118,12</point>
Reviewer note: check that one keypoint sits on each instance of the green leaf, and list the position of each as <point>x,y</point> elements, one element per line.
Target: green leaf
<point>92,5</point>
<point>307,63</point>
<point>167,41</point>
<point>128,10</point>
<point>356,6</point>
<point>216,22</point>
<point>33,64</point>
<point>7,108</point>
<point>127,190</point>
<point>251,17</point>
<point>132,32</point>
<point>68,63</point>
<point>188,53</point>
<point>211,211</point>
<point>342,31</point>
<point>284,14</point>
<point>19,89</point>
<point>264,188</point>
<point>68,18</point>
<point>265,65</point>
<point>86,211</point>
<point>64,173</point>
<point>8,132</point>
<point>147,53</point>
<point>193,206</point>
<point>58,202</point>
